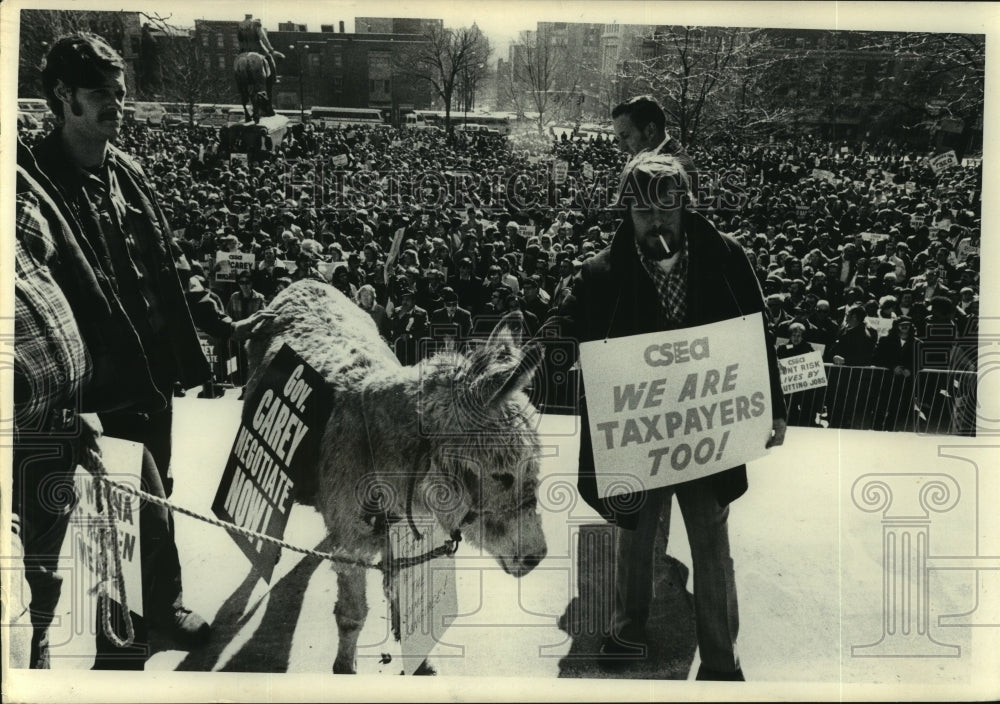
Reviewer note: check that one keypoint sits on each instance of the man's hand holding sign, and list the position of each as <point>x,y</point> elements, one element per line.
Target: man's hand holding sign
<point>681,389</point>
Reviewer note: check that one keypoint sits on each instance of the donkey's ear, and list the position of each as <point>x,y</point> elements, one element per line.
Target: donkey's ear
<point>504,383</point>
<point>501,339</point>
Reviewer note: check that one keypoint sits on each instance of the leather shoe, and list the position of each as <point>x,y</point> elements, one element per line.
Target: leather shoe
<point>184,626</point>
<point>707,674</point>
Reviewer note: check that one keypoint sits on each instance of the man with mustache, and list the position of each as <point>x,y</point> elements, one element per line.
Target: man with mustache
<point>112,214</point>
<point>667,268</point>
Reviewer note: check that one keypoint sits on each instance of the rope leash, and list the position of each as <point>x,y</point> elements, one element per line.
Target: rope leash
<point>94,463</point>
<point>448,548</point>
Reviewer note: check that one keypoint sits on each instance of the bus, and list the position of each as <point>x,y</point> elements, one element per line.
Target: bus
<point>213,115</point>
<point>32,105</point>
<point>494,121</point>
<point>295,116</point>
<point>236,115</point>
<point>149,113</point>
<point>339,117</point>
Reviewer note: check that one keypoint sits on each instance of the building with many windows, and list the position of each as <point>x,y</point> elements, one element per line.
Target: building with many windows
<point>333,68</point>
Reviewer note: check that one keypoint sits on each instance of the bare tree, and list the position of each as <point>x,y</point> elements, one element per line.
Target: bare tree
<point>536,64</point>
<point>687,69</point>
<point>936,77</point>
<point>448,58</point>
<point>40,28</point>
<point>187,77</point>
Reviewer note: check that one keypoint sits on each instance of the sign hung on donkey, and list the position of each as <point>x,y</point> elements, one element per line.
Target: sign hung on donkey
<point>276,444</point>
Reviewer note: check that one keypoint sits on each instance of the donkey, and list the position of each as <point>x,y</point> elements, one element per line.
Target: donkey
<point>451,437</point>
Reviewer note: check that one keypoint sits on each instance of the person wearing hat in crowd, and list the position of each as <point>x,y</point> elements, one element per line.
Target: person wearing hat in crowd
<point>968,301</point>
<point>522,324</point>
<point>855,341</point>
<point>470,290</point>
<point>896,351</point>
<point>306,267</point>
<point>408,325</point>
<point>450,321</point>
<point>531,300</point>
<point>566,271</point>
<point>775,315</point>
<point>341,281</point>
<point>429,290</point>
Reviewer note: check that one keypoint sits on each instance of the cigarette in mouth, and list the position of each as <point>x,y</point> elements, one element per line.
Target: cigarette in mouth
<point>664,243</point>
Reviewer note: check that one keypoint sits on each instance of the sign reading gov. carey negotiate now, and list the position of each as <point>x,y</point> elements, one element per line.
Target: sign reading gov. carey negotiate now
<point>669,407</point>
<point>276,445</point>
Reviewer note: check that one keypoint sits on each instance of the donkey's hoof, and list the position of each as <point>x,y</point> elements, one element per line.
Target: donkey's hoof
<point>343,668</point>
<point>425,669</point>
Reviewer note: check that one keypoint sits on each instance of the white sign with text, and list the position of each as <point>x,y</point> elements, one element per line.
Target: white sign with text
<point>802,372</point>
<point>427,596</point>
<point>123,461</point>
<point>669,407</point>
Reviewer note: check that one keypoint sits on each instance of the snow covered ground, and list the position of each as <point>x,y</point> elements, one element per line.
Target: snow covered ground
<point>844,540</point>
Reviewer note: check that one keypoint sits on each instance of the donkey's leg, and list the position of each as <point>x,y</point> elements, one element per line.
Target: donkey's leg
<point>350,611</point>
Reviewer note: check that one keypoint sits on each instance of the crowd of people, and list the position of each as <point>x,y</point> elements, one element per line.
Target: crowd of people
<point>421,229</point>
<point>132,241</point>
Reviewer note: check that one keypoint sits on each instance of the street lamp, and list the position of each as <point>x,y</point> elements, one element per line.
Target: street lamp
<point>302,108</point>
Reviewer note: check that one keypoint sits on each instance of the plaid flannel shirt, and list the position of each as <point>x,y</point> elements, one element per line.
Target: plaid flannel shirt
<point>51,362</point>
<point>671,286</point>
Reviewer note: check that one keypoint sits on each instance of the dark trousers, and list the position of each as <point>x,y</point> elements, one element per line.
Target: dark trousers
<point>43,497</point>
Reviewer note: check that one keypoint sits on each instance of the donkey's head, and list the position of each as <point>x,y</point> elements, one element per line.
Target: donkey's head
<point>480,427</point>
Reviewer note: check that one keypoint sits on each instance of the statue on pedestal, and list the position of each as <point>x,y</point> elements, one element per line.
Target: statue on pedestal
<point>255,69</point>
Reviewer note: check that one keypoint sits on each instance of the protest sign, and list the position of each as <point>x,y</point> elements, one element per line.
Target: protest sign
<point>339,160</point>
<point>229,264</point>
<point>350,134</point>
<point>802,372</point>
<point>823,175</point>
<point>916,220</point>
<point>972,161</point>
<point>326,269</point>
<point>588,171</point>
<point>390,259</point>
<point>276,447</point>
<point>427,592</point>
<point>668,407</point>
<point>880,325</point>
<point>560,169</point>
<point>237,158</point>
<point>943,161</point>
<point>123,461</point>
<point>208,348</point>
<point>526,230</point>
<point>801,210</point>
<point>965,249</point>
<point>874,237</point>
